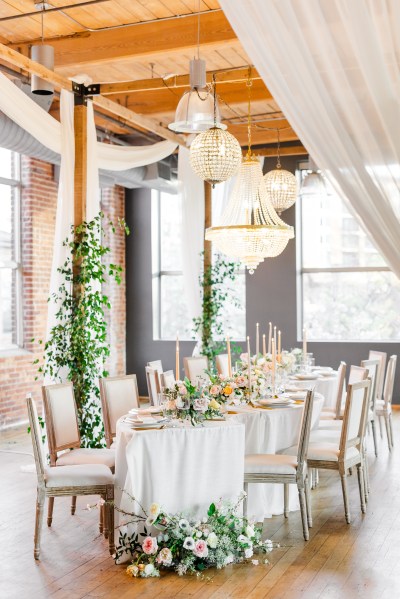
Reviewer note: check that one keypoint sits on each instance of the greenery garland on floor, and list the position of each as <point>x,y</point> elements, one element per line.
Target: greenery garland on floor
<point>77,346</point>
<point>210,326</point>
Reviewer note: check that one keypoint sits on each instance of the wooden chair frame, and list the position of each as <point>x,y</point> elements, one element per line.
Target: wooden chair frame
<point>186,364</point>
<point>381,356</point>
<point>300,478</point>
<point>164,377</point>
<point>109,427</point>
<point>153,372</point>
<point>43,491</point>
<point>386,411</point>
<point>344,464</point>
<point>374,365</point>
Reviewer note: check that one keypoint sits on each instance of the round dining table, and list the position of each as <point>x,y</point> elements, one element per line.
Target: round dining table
<point>271,430</point>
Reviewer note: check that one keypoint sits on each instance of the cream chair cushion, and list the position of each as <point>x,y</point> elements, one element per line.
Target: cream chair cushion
<point>326,451</point>
<point>80,456</point>
<point>270,464</point>
<point>78,476</point>
<point>380,407</point>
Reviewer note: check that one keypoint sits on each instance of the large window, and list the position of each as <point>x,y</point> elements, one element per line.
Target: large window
<point>170,313</point>
<point>346,290</point>
<point>10,259</point>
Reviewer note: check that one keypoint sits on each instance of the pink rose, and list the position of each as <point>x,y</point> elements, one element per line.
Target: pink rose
<point>182,390</point>
<point>200,548</point>
<point>215,390</point>
<point>150,545</point>
<point>241,381</point>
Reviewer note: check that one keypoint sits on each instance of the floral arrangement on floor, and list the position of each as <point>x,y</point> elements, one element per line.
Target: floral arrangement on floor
<point>189,402</point>
<point>189,545</point>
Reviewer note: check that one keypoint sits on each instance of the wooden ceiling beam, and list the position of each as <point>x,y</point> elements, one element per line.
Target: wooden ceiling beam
<point>139,40</point>
<point>130,117</point>
<point>179,81</point>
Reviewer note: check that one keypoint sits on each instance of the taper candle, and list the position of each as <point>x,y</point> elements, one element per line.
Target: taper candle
<point>279,346</point>
<point>275,340</point>
<point>257,339</point>
<point>269,337</point>
<point>228,347</point>
<point>264,346</point>
<point>249,365</point>
<point>273,365</point>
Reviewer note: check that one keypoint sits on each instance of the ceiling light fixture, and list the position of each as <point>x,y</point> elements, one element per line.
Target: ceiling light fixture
<point>44,55</point>
<point>281,185</point>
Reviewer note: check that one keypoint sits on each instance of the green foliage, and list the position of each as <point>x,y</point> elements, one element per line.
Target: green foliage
<point>215,294</point>
<point>77,346</point>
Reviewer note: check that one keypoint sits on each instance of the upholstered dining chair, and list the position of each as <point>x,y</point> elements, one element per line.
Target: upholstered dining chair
<point>55,481</point>
<point>286,469</point>
<point>222,364</point>
<point>336,413</point>
<point>384,406</point>
<point>63,436</point>
<point>157,365</point>
<point>381,356</point>
<point>195,369</point>
<point>167,379</point>
<point>356,374</point>
<point>348,452</point>
<point>118,395</point>
<point>153,385</point>
<point>372,367</point>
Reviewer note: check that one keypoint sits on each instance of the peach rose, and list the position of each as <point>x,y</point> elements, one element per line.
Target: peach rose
<point>215,390</point>
<point>150,545</point>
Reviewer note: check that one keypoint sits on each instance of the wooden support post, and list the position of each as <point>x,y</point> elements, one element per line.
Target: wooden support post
<point>80,177</point>
<point>206,333</point>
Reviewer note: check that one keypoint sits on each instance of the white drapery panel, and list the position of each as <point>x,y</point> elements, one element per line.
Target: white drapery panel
<point>333,68</point>
<point>192,194</point>
<point>47,130</point>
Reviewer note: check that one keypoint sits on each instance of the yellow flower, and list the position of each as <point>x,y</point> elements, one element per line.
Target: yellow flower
<point>227,390</point>
<point>214,405</point>
<point>132,570</point>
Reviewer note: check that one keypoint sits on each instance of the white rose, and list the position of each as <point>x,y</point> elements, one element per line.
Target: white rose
<point>248,552</point>
<point>228,560</point>
<point>154,510</point>
<point>212,540</point>
<point>249,531</point>
<point>149,569</point>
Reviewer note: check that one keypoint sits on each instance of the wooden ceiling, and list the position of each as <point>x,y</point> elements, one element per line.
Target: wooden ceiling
<point>149,43</point>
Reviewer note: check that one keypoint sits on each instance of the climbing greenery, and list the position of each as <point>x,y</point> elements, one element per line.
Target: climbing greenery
<point>77,346</point>
<point>216,291</point>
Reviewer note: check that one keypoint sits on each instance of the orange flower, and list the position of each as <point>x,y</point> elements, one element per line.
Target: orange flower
<point>227,390</point>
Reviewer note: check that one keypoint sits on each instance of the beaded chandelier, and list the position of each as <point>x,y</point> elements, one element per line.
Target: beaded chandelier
<point>215,155</point>
<point>281,186</point>
<point>252,230</point>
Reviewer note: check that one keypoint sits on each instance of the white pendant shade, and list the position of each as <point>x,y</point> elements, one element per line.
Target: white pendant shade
<point>251,229</point>
<point>195,112</point>
<point>282,188</point>
<point>313,184</point>
<point>44,55</point>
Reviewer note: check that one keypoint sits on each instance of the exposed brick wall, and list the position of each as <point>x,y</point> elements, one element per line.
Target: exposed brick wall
<point>38,209</point>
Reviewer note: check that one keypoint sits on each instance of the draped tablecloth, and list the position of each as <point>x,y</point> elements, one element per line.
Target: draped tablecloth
<point>271,431</point>
<point>183,469</point>
<point>326,385</point>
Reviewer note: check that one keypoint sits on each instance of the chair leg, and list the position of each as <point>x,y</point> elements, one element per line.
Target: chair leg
<point>374,437</point>
<point>345,497</point>
<point>361,486</point>
<point>39,522</point>
<point>50,511</point>
<point>105,519</point>
<point>246,490</point>
<point>101,519</point>
<point>73,505</point>
<point>366,475</point>
<point>286,500</point>
<point>388,432</point>
<point>110,517</point>
<point>380,426</point>
<point>303,511</point>
<point>316,477</point>
<point>391,430</point>
<point>308,502</point>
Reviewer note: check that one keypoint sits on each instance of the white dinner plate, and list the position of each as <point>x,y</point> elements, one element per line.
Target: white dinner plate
<point>322,368</point>
<point>279,402</point>
<point>143,427</point>
<point>145,411</point>
<point>309,376</point>
<point>298,395</point>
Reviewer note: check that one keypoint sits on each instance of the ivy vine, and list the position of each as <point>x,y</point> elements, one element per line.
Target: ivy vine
<point>77,346</point>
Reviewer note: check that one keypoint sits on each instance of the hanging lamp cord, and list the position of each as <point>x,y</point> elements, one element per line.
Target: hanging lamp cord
<point>278,161</point>
<point>249,83</point>
<point>214,82</point>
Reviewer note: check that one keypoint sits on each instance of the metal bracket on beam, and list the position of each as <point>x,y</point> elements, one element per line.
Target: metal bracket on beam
<point>83,92</point>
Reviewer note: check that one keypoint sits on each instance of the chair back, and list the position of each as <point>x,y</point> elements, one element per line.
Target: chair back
<point>118,395</point>
<point>153,385</point>
<point>357,374</point>
<point>340,388</point>
<point>382,357</point>
<point>195,369</point>
<point>355,417</point>
<point>36,438</point>
<point>61,418</point>
<point>157,365</point>
<point>389,381</point>
<point>167,379</point>
<point>222,364</point>
<point>305,428</point>
<point>372,367</point>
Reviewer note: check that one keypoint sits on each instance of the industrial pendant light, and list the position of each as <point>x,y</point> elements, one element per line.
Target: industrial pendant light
<point>195,111</point>
<point>251,229</point>
<point>44,55</point>
<point>281,185</point>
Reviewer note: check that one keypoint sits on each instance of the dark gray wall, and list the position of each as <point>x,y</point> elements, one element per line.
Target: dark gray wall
<point>270,296</point>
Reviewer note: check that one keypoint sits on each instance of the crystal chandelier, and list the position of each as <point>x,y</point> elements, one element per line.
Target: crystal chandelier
<point>281,185</point>
<point>252,230</point>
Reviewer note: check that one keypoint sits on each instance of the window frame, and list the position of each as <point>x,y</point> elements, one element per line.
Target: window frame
<point>301,270</point>
<point>16,264</point>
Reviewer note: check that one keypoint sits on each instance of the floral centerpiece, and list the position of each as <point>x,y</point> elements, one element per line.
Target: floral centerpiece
<point>231,389</point>
<point>190,545</point>
<point>191,402</point>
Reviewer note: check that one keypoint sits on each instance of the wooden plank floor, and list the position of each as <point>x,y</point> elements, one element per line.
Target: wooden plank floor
<point>339,561</point>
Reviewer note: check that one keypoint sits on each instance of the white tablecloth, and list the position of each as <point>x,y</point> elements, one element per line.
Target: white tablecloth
<point>326,385</point>
<point>270,431</point>
<point>183,469</point>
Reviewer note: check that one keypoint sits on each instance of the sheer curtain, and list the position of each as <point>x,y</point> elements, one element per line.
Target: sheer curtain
<point>333,67</point>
